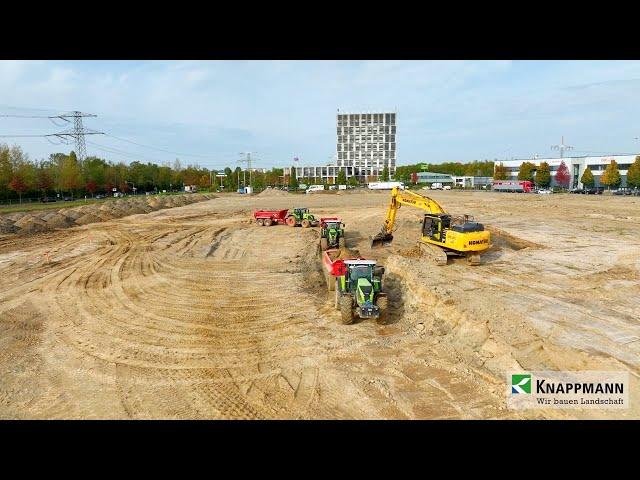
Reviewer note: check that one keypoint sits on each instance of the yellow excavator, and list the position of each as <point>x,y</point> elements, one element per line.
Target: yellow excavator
<point>442,234</point>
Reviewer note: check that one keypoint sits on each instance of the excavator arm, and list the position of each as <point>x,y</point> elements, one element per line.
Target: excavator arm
<point>399,198</point>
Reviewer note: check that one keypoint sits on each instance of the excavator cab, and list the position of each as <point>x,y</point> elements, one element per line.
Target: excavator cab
<point>434,226</point>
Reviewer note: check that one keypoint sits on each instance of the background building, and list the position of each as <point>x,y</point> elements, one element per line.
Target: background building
<point>432,177</point>
<point>576,166</point>
<point>453,180</point>
<point>366,142</point>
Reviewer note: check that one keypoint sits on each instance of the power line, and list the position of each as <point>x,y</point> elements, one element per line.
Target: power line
<point>160,149</point>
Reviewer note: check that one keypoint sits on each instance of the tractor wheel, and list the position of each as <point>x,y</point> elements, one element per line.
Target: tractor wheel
<point>291,221</point>
<point>324,244</point>
<point>341,242</point>
<point>346,309</point>
<point>382,302</point>
<point>306,223</point>
<point>268,222</point>
<point>260,222</point>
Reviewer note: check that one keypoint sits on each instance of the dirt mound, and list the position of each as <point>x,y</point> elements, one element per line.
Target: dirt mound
<point>87,218</point>
<point>272,192</point>
<point>58,220</point>
<point>7,226</point>
<point>29,224</point>
<point>343,253</point>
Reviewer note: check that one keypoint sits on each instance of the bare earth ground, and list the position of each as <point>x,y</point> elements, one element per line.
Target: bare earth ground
<point>196,312</point>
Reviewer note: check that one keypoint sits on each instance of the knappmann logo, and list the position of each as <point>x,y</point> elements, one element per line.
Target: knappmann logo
<point>521,383</point>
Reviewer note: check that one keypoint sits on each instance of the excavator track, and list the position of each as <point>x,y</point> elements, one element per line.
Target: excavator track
<point>435,254</point>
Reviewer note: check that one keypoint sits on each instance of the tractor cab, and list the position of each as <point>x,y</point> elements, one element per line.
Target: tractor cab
<point>362,280</point>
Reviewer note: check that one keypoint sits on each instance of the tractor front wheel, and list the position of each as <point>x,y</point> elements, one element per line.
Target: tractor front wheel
<point>268,222</point>
<point>382,302</point>
<point>346,309</point>
<point>306,223</point>
<point>291,221</point>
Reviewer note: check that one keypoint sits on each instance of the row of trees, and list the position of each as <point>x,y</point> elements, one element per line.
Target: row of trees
<point>541,175</point>
<point>65,175</point>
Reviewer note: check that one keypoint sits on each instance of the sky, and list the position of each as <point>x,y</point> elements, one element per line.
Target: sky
<point>207,112</point>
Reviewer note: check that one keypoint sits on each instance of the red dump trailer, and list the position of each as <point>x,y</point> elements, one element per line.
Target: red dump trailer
<point>269,217</point>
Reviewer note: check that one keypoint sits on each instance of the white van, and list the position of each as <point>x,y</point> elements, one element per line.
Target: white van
<point>314,188</point>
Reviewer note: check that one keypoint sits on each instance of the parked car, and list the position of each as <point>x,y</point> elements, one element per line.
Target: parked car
<point>595,191</point>
<point>100,196</point>
<point>68,199</point>
<point>48,199</point>
<point>446,187</point>
<point>544,191</point>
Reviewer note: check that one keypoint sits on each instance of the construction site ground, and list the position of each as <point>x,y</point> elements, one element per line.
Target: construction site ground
<point>197,312</point>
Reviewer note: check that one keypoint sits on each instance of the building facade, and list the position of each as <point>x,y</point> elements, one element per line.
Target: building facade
<point>432,177</point>
<point>453,180</point>
<point>322,174</point>
<point>367,143</point>
<point>576,166</point>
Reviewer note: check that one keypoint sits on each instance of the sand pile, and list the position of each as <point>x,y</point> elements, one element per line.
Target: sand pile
<point>272,192</point>
<point>7,226</point>
<point>87,218</point>
<point>58,220</point>
<point>31,222</point>
<point>343,253</point>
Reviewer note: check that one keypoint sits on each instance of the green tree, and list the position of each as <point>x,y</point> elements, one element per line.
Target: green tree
<point>526,171</point>
<point>500,172</point>
<point>587,178</point>
<point>611,176</point>
<point>353,181</point>
<point>342,177</point>
<point>293,181</point>
<point>70,175</point>
<point>385,174</point>
<point>543,175</point>
<point>633,174</point>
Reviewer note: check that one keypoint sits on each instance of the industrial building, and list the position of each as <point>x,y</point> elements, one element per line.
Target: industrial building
<point>576,166</point>
<point>466,181</point>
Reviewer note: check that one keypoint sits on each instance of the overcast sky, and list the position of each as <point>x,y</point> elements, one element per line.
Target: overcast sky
<point>212,110</point>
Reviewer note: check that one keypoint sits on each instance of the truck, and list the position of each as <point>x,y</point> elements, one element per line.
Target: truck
<point>267,218</point>
<point>385,185</point>
<point>518,186</point>
<point>436,186</point>
<point>314,188</point>
<point>357,283</point>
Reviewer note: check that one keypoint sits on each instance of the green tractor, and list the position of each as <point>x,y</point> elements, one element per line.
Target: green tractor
<point>301,216</point>
<point>331,233</point>
<point>359,291</point>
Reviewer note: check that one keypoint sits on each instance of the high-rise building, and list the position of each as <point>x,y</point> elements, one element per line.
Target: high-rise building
<point>366,142</point>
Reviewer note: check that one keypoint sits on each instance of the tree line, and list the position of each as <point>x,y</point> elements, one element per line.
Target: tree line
<point>64,174</point>
<point>541,174</point>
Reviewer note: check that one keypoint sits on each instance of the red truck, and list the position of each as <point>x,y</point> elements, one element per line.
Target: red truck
<point>269,217</point>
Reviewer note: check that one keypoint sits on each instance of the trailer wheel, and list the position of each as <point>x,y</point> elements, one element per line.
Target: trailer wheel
<point>306,223</point>
<point>291,221</point>
<point>346,309</point>
<point>268,222</point>
<point>260,222</point>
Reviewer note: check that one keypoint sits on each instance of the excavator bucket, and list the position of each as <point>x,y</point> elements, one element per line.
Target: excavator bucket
<point>382,239</point>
